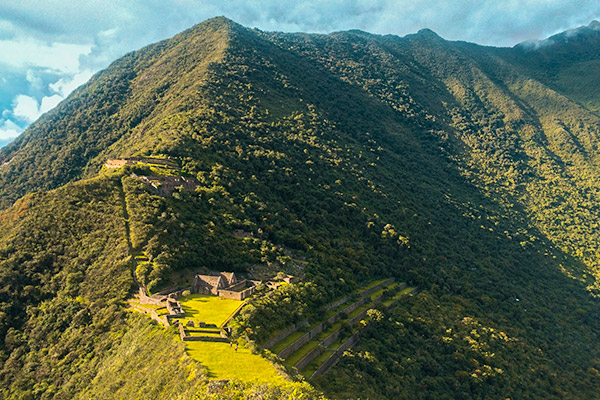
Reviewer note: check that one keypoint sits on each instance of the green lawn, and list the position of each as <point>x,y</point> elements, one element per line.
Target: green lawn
<point>359,310</point>
<point>208,334</point>
<point>302,351</point>
<point>372,284</point>
<point>323,335</point>
<point>378,293</point>
<point>287,341</point>
<point>316,363</point>
<point>208,309</point>
<point>223,362</point>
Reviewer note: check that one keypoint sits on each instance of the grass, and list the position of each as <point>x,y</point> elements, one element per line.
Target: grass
<point>287,341</point>
<point>378,293</point>
<point>372,284</point>
<point>401,293</point>
<point>220,359</point>
<point>208,334</point>
<point>223,362</point>
<point>148,306</point>
<point>208,309</point>
<point>317,362</point>
<point>302,351</point>
<point>359,310</point>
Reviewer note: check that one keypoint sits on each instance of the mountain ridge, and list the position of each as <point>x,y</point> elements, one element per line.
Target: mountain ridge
<point>465,170</point>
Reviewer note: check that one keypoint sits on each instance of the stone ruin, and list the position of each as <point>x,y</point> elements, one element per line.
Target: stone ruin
<point>174,307</point>
<point>121,162</point>
<point>223,284</point>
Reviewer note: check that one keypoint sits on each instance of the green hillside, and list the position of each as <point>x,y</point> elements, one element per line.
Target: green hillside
<point>468,172</point>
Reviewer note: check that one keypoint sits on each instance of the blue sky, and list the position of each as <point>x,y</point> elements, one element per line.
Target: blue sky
<point>50,47</point>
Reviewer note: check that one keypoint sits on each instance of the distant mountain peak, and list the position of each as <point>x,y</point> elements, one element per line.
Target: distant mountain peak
<point>428,33</point>
<point>595,25</point>
<point>583,32</point>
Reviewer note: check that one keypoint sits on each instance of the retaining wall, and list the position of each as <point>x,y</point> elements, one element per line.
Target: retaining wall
<point>360,315</point>
<point>354,306</point>
<point>145,299</point>
<point>331,338</point>
<point>311,355</point>
<point>301,341</point>
<point>205,339</point>
<point>335,357</point>
<point>284,333</point>
<point>336,303</point>
<point>154,315</point>
<point>377,287</point>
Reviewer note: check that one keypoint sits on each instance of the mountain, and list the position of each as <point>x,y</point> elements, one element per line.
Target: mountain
<point>468,171</point>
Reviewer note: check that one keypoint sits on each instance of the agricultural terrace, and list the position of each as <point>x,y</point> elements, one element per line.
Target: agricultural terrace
<point>221,360</point>
<point>208,309</point>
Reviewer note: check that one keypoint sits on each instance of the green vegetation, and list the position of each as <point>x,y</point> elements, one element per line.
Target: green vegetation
<point>223,362</point>
<point>288,340</point>
<point>208,309</point>
<point>301,352</point>
<point>130,369</point>
<point>469,172</point>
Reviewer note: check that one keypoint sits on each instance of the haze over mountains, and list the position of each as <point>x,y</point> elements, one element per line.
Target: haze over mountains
<point>470,171</point>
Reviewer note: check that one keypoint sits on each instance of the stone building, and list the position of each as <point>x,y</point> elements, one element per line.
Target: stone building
<point>211,284</point>
<point>223,284</point>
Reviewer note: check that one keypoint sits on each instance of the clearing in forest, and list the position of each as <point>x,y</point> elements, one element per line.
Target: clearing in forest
<point>208,309</point>
<point>221,360</point>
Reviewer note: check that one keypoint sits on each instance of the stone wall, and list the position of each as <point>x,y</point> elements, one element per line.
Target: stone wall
<point>154,315</point>
<point>233,314</point>
<point>233,292</point>
<point>354,306</point>
<point>183,334</point>
<point>117,163</point>
<point>311,355</point>
<point>301,341</point>
<point>284,333</point>
<point>360,315</point>
<point>335,357</point>
<point>317,329</point>
<point>330,339</point>
<point>145,299</point>
<point>377,287</point>
<point>336,303</point>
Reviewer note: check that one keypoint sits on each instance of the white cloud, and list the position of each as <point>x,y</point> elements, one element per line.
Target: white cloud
<point>66,85</point>
<point>9,130</point>
<point>26,108</point>
<point>51,47</point>
<point>27,52</point>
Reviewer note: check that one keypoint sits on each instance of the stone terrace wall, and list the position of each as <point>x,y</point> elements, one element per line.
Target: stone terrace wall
<point>331,338</point>
<point>311,355</point>
<point>377,287</point>
<point>284,333</point>
<point>336,303</point>
<point>301,341</point>
<point>354,306</point>
<point>154,315</point>
<point>183,334</point>
<point>335,357</point>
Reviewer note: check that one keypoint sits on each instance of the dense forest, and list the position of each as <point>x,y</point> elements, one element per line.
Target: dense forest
<point>468,171</point>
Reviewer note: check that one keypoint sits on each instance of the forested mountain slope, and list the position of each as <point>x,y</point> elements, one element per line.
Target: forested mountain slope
<point>468,171</point>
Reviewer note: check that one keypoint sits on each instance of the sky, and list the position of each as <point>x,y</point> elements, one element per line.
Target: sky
<point>50,47</point>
